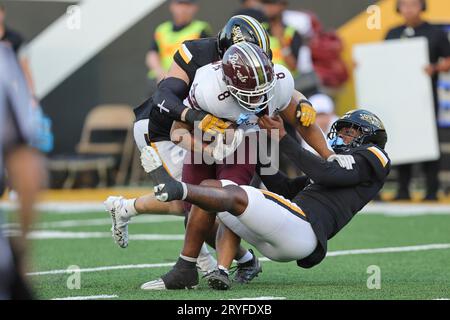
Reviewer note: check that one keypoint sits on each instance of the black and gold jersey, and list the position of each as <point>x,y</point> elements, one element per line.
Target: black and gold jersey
<point>191,56</point>
<point>194,54</point>
<point>334,195</point>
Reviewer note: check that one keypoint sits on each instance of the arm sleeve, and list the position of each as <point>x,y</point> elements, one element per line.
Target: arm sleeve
<point>279,183</point>
<point>321,171</point>
<point>169,97</point>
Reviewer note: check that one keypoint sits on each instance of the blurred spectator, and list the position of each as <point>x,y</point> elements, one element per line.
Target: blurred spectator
<point>285,42</point>
<point>326,115</point>
<point>17,43</point>
<point>326,49</point>
<point>25,170</point>
<point>254,9</point>
<point>300,21</point>
<point>289,48</point>
<point>169,36</point>
<point>439,50</point>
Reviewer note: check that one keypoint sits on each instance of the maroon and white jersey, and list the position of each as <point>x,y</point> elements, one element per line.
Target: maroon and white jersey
<point>209,93</point>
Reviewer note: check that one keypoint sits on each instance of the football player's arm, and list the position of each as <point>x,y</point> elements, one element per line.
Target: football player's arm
<point>311,133</point>
<point>174,89</point>
<point>181,135</point>
<point>321,171</point>
<point>281,184</point>
<point>317,169</point>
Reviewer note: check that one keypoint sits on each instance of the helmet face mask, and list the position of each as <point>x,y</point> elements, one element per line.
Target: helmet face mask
<point>254,100</point>
<point>337,135</point>
<point>249,76</point>
<point>369,127</point>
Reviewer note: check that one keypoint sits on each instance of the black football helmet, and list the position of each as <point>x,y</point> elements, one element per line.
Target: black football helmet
<point>371,128</point>
<point>243,28</point>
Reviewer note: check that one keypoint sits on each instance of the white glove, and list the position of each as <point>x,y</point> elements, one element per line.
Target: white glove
<point>345,161</point>
<point>150,159</point>
<point>222,150</point>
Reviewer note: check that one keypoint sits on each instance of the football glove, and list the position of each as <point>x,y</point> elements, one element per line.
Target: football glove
<point>221,150</point>
<point>305,113</point>
<point>207,122</point>
<point>345,161</point>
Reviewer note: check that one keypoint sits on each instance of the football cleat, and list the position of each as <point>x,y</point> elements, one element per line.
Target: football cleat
<point>178,278</point>
<point>246,272</point>
<point>218,279</point>
<point>116,208</point>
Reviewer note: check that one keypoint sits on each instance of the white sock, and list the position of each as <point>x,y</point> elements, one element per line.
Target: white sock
<point>185,190</point>
<point>204,250</point>
<point>188,258</point>
<point>223,268</point>
<point>130,209</point>
<point>245,258</point>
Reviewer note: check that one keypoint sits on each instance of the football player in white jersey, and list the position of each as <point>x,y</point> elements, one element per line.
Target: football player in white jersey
<point>244,86</point>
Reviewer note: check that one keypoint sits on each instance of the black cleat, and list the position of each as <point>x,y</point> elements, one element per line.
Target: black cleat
<point>218,280</point>
<point>182,276</point>
<point>246,272</point>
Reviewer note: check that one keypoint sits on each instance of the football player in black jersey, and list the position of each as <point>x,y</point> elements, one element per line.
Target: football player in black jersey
<point>284,224</point>
<point>154,119</point>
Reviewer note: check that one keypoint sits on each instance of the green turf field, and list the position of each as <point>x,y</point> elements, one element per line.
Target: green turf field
<point>409,274</point>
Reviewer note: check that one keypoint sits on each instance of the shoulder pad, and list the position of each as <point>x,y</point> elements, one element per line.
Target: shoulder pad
<point>285,87</point>
<point>203,48</point>
<point>378,159</point>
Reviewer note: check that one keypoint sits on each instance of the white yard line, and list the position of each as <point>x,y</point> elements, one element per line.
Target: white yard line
<point>426,247</point>
<point>50,234</point>
<point>108,268</point>
<point>69,207</point>
<point>95,222</point>
<point>261,298</point>
<point>406,209</point>
<point>105,221</point>
<point>441,246</point>
<point>102,296</point>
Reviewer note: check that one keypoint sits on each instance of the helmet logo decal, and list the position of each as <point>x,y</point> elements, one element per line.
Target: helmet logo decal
<point>233,59</point>
<point>237,34</point>
<point>372,120</point>
<point>241,77</point>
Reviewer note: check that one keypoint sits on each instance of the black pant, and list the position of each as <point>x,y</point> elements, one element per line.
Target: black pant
<point>431,169</point>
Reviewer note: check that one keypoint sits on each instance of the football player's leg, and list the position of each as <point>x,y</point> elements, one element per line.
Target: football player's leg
<point>184,273</point>
<point>200,222</point>
<point>122,210</point>
<point>194,172</point>
<point>241,172</point>
<point>227,245</point>
<point>274,225</point>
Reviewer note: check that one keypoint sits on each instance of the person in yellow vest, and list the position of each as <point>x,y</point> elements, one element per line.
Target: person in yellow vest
<point>285,41</point>
<point>169,36</point>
